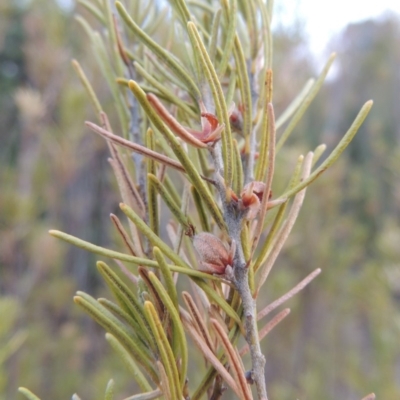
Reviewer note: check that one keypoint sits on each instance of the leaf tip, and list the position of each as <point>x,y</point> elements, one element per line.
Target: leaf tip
<point>133,85</point>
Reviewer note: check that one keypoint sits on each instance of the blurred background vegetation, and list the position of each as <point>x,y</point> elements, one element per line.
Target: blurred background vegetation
<point>342,339</point>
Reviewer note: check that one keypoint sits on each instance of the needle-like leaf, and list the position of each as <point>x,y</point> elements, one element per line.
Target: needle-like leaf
<point>129,363</point>
<point>234,361</point>
<point>347,138</point>
<point>28,394</point>
<point>164,348</point>
<point>109,395</point>
<point>265,311</point>
<point>178,331</point>
<point>209,356</point>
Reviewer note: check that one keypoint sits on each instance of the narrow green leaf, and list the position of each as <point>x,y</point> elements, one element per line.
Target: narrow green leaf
<point>27,393</point>
<point>161,53</point>
<point>270,7</point>
<point>219,100</point>
<point>245,87</point>
<point>319,150</point>
<point>305,104</point>
<point>125,316</point>
<point>286,227</point>
<point>12,345</point>
<point>165,75</point>
<point>129,363</point>
<point>238,178</point>
<point>93,10</point>
<point>166,92</point>
<point>200,210</point>
<point>101,250</point>
<point>109,395</point>
<point>166,273</point>
<point>230,13</point>
<point>278,219</point>
<point>126,299</point>
<point>171,188</point>
<point>230,93</point>
<point>152,198</point>
<point>103,61</point>
<point>296,173</point>
<point>182,156</point>
<point>213,40</point>
<point>144,12</point>
<point>295,104</point>
<point>128,258</point>
<point>203,6</point>
<point>116,59</point>
<point>178,331</point>
<point>111,324</point>
<point>183,11</point>
<point>347,138</point>
<point>252,25</point>
<point>154,239</point>
<point>151,294</point>
<point>154,394</point>
<point>169,201</point>
<point>270,237</point>
<point>159,17</point>
<point>164,348</point>
<point>262,162</point>
<point>86,84</point>
<point>218,300</point>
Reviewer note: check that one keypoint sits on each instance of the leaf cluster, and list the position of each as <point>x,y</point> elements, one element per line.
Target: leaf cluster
<point>194,101</point>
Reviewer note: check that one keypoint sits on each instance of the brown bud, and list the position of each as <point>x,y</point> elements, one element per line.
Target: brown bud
<point>251,197</point>
<point>214,255</point>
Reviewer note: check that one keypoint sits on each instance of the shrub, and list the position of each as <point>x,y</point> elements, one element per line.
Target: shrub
<point>192,90</point>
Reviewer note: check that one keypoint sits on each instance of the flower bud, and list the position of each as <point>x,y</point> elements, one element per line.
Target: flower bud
<point>251,197</point>
<point>214,255</point>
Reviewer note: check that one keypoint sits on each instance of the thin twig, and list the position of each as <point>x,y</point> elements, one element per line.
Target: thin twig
<point>267,328</point>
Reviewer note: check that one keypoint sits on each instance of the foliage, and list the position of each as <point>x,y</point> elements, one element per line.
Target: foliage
<point>201,80</point>
<point>340,353</point>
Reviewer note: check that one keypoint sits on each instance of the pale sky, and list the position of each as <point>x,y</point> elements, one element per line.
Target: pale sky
<point>323,19</point>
